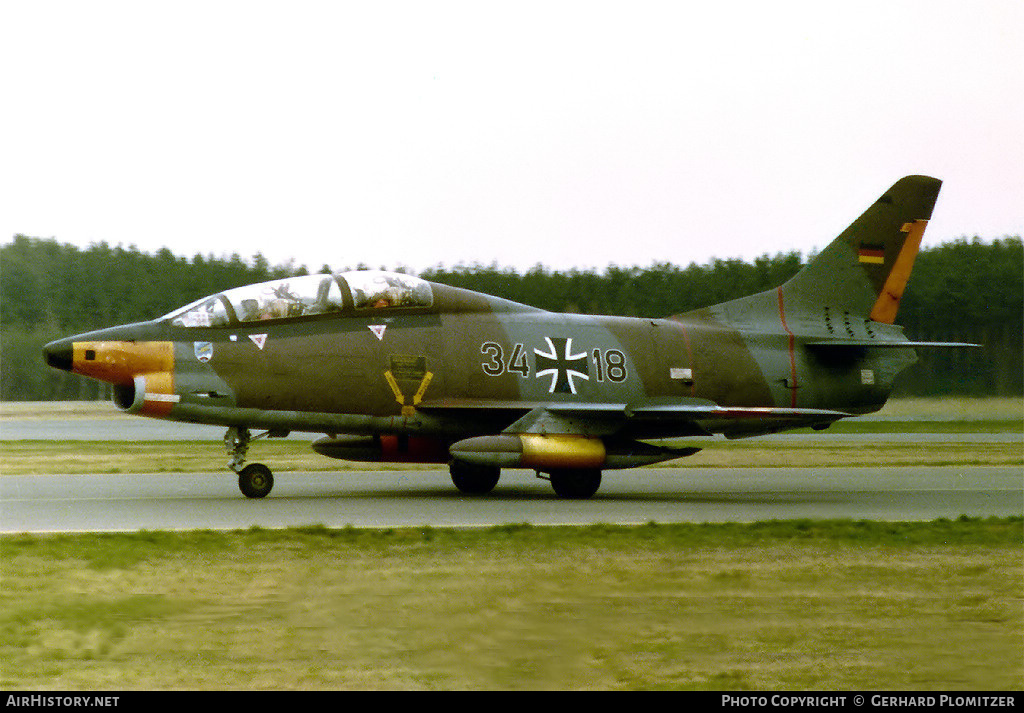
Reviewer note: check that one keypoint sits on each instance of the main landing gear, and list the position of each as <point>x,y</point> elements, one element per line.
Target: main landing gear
<point>254,480</point>
<point>575,483</point>
<point>473,479</point>
<point>568,483</point>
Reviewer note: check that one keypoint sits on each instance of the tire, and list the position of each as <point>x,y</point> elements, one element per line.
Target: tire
<point>576,484</point>
<point>255,480</point>
<point>474,479</point>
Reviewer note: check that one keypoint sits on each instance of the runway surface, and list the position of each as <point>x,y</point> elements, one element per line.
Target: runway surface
<point>129,502</point>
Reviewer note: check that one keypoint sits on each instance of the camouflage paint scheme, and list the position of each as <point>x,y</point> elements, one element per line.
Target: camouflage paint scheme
<point>390,367</point>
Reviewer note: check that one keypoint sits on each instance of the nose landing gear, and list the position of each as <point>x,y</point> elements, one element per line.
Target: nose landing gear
<point>254,480</point>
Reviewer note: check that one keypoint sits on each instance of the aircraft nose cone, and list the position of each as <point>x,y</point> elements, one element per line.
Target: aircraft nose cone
<point>58,354</point>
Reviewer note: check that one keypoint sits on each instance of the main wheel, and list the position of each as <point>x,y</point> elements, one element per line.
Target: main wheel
<point>577,483</point>
<point>255,480</point>
<point>474,479</point>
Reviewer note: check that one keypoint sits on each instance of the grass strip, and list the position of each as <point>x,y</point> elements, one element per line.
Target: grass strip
<point>796,605</point>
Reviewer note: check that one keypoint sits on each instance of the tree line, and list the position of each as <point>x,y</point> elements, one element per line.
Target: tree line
<point>962,290</point>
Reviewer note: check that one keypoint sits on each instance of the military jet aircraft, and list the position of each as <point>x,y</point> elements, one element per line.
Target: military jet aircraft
<point>390,367</point>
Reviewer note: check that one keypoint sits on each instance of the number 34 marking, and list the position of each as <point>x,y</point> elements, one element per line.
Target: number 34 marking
<point>609,364</point>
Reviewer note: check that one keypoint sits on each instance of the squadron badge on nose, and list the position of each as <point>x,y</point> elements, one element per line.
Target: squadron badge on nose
<point>203,350</point>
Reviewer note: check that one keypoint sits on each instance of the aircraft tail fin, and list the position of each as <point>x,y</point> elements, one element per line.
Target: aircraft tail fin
<point>865,270</point>
<point>861,274</point>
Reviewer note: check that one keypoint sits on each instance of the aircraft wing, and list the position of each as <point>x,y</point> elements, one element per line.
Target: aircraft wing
<point>591,419</point>
<point>874,343</point>
<point>605,419</point>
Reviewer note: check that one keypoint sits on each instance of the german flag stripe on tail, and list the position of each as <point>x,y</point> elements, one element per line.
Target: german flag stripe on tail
<point>871,254</point>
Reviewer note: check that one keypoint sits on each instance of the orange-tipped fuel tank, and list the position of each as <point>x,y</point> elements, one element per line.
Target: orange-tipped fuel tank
<point>545,452</point>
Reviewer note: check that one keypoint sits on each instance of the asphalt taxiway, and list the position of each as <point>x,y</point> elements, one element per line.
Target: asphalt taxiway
<point>413,498</point>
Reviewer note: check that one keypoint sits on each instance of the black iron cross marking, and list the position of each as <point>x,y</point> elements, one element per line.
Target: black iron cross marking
<point>561,365</point>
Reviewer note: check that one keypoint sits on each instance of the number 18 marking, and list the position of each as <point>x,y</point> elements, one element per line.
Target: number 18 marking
<point>610,364</point>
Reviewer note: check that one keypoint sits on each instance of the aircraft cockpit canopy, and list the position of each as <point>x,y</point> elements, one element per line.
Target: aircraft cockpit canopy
<point>306,295</point>
<point>373,289</point>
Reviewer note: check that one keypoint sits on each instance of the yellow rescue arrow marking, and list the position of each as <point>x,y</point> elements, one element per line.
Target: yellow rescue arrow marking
<point>394,387</point>
<point>408,410</point>
<point>423,387</point>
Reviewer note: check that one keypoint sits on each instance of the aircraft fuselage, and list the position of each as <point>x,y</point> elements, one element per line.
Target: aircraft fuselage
<point>391,367</point>
<point>452,370</point>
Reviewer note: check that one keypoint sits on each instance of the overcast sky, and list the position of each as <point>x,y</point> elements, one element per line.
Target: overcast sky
<point>565,133</point>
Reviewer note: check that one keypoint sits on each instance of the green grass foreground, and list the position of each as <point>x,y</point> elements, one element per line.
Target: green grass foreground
<point>795,605</point>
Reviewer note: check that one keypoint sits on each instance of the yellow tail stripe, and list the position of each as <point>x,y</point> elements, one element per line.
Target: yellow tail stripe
<point>888,301</point>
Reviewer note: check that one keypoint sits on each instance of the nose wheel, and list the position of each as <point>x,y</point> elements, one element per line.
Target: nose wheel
<point>254,480</point>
